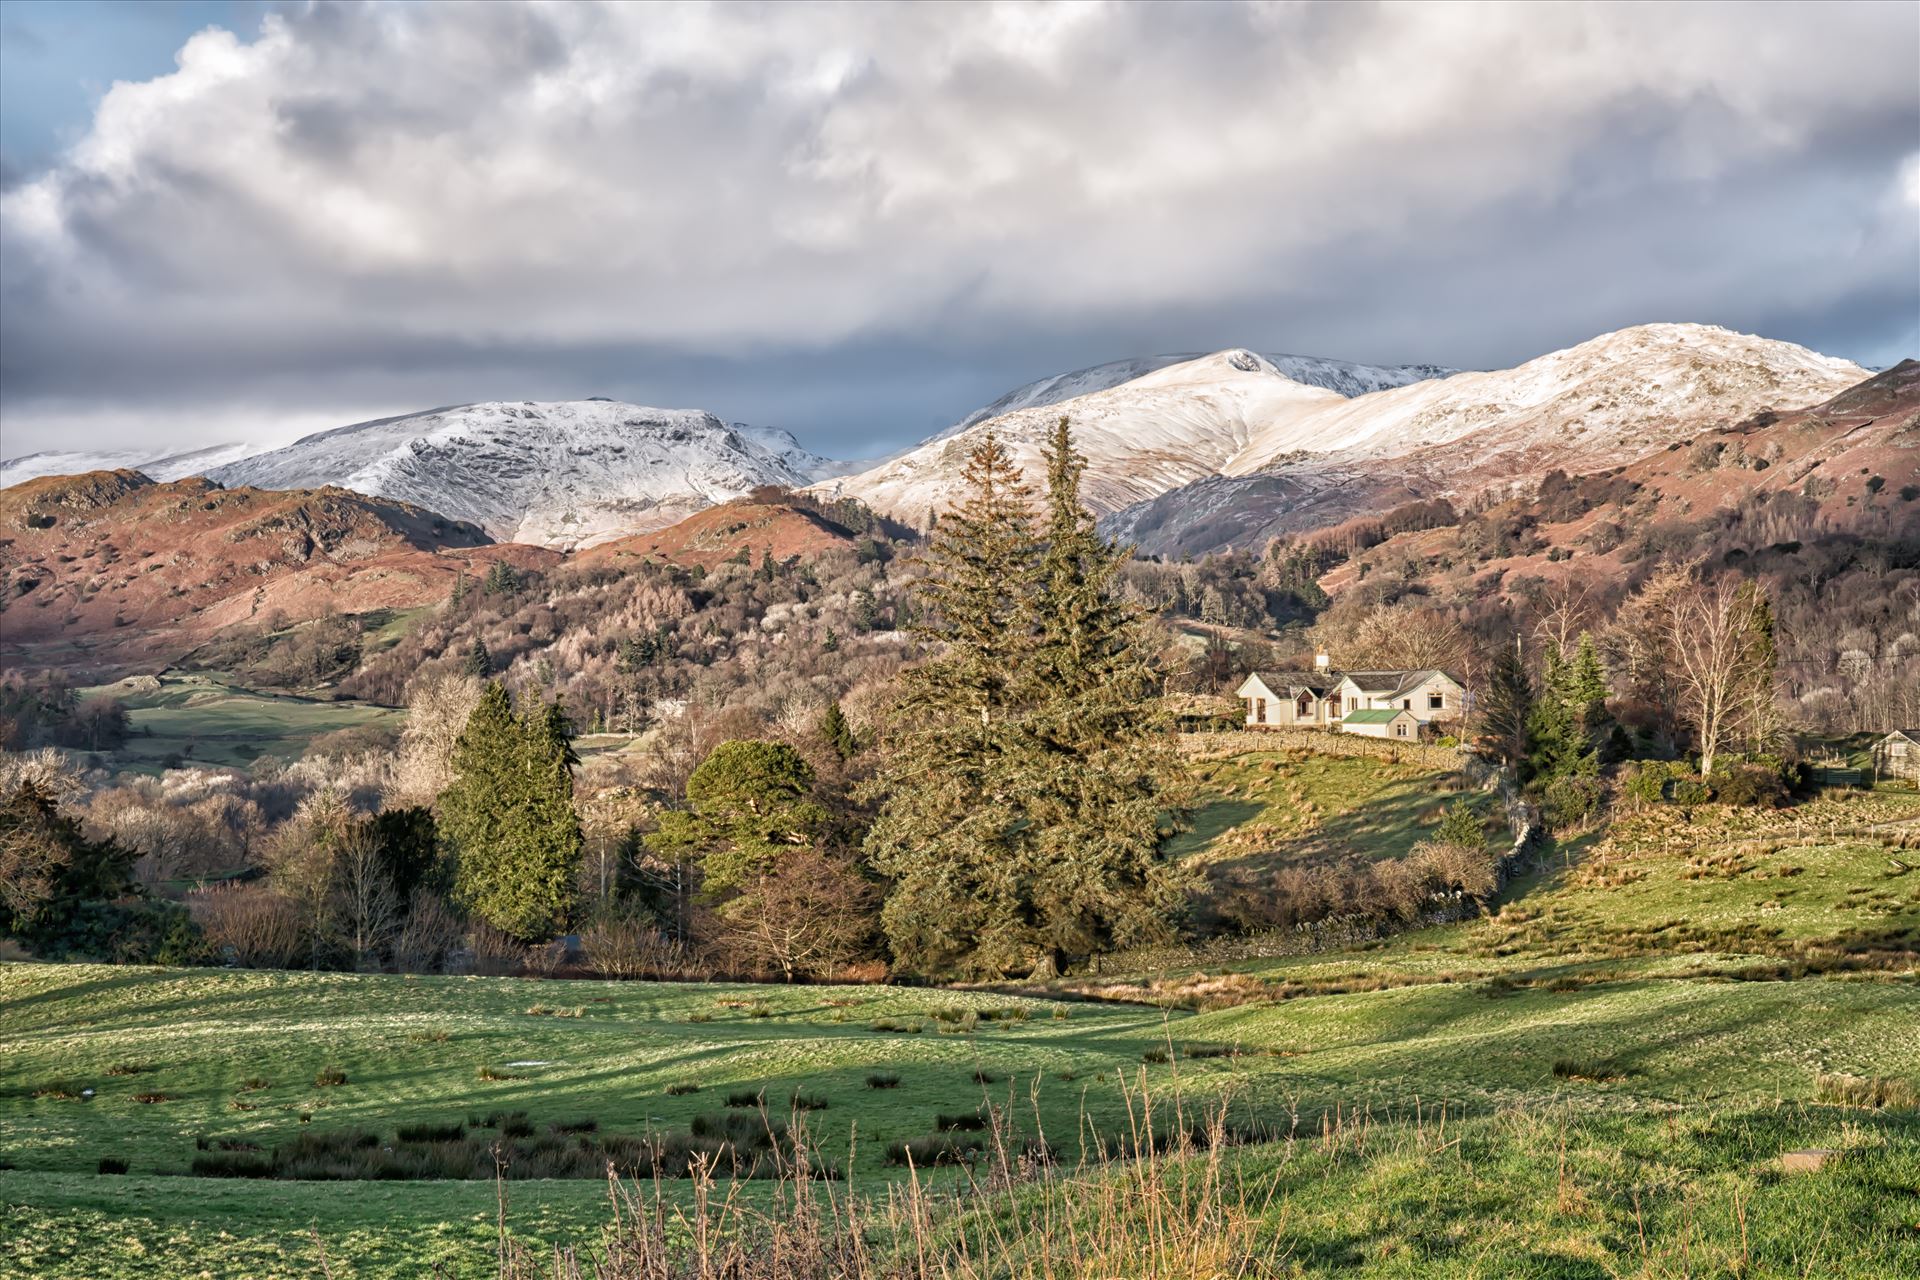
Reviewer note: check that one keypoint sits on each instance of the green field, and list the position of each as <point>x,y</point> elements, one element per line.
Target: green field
<point>1596,1080</point>
<point>1269,807</point>
<point>205,719</point>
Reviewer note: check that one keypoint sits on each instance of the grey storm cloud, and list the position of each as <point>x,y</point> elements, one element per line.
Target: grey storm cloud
<point>859,221</point>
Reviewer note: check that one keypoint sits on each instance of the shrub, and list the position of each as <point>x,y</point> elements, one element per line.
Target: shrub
<point>1645,782</point>
<point>883,1080</point>
<point>110,1165</point>
<point>1753,785</point>
<point>1690,789</point>
<point>431,1132</point>
<point>941,1149</point>
<point>680,1088</point>
<point>329,1077</point>
<point>746,1098</point>
<point>1571,800</point>
<point>803,1101</point>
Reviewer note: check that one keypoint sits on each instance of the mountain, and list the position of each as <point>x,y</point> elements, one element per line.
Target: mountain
<point>172,466</point>
<point>1765,492</point>
<point>1343,376</point>
<point>565,473</point>
<point>1153,432</point>
<point>1592,406</point>
<point>112,569</point>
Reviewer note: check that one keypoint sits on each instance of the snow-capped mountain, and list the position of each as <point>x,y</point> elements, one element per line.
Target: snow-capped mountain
<point>1601,403</point>
<point>1607,400</point>
<point>71,462</point>
<point>1343,376</point>
<point>566,473</point>
<point>1144,425</point>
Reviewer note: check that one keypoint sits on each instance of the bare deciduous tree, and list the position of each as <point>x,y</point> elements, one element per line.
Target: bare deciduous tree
<point>1720,638</point>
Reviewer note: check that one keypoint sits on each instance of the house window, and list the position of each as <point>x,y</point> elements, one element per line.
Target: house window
<point>1259,710</point>
<point>1400,731</point>
<point>1436,701</point>
<point>1304,708</point>
<point>1406,704</point>
<point>1353,704</point>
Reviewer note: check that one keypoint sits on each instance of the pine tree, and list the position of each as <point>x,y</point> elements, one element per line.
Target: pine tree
<point>838,733</point>
<point>508,818</point>
<point>477,662</point>
<point>459,594</point>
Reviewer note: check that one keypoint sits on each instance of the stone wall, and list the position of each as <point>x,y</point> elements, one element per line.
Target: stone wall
<point>1209,746</point>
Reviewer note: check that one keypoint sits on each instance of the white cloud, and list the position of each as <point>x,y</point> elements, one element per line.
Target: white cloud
<point>729,179</point>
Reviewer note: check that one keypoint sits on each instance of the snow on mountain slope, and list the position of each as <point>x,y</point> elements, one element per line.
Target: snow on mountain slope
<point>173,466</point>
<point>1602,402</point>
<point>1343,376</point>
<point>565,473</point>
<point>1154,432</point>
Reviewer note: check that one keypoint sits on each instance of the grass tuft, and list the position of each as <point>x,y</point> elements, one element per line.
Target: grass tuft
<point>329,1078</point>
<point>883,1080</point>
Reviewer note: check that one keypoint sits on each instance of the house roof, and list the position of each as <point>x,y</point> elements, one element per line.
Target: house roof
<point>1374,715</point>
<point>1296,683</point>
<point>1391,684</point>
<point>1911,735</point>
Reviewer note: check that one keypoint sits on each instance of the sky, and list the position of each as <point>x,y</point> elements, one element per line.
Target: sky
<point>240,221</point>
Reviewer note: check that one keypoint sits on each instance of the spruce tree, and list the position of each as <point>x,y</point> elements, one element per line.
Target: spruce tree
<point>507,818</point>
<point>477,661</point>
<point>1506,706</point>
<point>1103,778</point>
<point>1027,795</point>
<point>952,822</point>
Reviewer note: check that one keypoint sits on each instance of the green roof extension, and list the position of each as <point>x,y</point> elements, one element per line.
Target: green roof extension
<point>1373,715</point>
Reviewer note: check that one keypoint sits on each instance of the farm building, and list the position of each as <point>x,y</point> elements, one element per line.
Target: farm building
<point>1325,699</point>
<point>1898,755</point>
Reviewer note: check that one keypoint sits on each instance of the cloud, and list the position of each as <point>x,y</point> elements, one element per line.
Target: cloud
<point>860,220</point>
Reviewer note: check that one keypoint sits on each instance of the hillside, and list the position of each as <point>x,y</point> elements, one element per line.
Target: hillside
<point>1761,487</point>
<point>1597,405</point>
<point>155,466</point>
<point>753,526</point>
<point>1155,432</point>
<point>111,570</point>
<point>554,474</point>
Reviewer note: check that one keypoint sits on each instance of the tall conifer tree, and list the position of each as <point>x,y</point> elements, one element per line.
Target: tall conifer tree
<point>508,816</point>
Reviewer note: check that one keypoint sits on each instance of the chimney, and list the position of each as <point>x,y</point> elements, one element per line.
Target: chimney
<point>1321,662</point>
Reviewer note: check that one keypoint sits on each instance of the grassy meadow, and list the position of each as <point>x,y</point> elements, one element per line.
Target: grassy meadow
<point>208,719</point>
<point>1599,1078</point>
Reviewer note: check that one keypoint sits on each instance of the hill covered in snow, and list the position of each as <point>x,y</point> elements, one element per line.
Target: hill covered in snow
<point>1599,404</point>
<point>1145,425</point>
<point>566,473</point>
